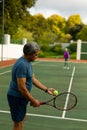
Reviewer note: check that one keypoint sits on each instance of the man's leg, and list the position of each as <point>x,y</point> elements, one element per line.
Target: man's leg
<point>19,125</point>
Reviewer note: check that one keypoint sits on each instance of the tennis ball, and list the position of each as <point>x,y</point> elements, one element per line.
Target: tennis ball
<point>55,93</point>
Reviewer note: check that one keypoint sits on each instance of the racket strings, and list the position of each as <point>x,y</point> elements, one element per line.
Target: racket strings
<point>65,101</point>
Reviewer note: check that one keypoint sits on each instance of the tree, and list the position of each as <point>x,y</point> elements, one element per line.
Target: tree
<point>47,38</point>
<point>74,30</point>
<point>74,20</point>
<point>57,25</point>
<point>74,25</point>
<point>57,20</point>
<point>38,25</point>
<point>23,33</point>
<point>14,12</point>
<point>82,34</point>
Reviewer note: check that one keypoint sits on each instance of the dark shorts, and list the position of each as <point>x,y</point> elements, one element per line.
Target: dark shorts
<point>17,107</point>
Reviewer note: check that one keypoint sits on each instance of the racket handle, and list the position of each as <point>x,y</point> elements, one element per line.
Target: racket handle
<point>42,103</point>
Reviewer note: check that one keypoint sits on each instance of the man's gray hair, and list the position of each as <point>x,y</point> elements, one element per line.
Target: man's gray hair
<point>30,48</point>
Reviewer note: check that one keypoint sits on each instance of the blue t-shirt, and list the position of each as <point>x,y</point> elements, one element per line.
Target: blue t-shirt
<point>21,69</point>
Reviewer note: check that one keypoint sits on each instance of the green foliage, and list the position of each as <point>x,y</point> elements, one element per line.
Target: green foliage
<point>47,54</point>
<point>50,51</point>
<point>45,47</point>
<point>46,31</point>
<point>14,12</point>
<point>23,33</point>
<point>47,38</point>
<point>57,49</point>
<point>82,34</point>
<point>41,54</point>
<point>72,47</point>
<point>57,21</point>
<point>73,55</point>
<point>74,25</point>
<point>74,20</point>
<point>74,30</point>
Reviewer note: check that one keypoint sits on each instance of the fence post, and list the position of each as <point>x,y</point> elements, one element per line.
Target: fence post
<point>24,41</point>
<point>79,49</point>
<point>7,39</point>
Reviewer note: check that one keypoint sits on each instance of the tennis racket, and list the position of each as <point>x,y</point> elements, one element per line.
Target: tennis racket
<point>64,101</point>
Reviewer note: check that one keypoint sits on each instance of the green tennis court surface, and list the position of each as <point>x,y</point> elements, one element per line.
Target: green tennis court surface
<point>44,117</point>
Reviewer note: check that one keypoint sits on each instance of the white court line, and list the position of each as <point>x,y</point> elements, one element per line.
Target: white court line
<point>5,72</point>
<point>47,116</point>
<point>10,70</point>
<point>36,62</point>
<point>69,89</point>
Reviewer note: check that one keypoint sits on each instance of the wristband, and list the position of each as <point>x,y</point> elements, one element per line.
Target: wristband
<point>46,91</point>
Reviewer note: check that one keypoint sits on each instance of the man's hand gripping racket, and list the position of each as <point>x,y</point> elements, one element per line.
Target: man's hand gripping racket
<point>64,101</point>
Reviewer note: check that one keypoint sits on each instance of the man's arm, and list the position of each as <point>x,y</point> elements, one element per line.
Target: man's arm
<point>39,85</point>
<point>22,88</point>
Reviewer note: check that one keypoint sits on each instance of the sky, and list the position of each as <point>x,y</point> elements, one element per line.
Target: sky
<point>64,8</point>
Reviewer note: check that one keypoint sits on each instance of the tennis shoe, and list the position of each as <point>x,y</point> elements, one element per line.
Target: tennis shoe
<point>67,68</point>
